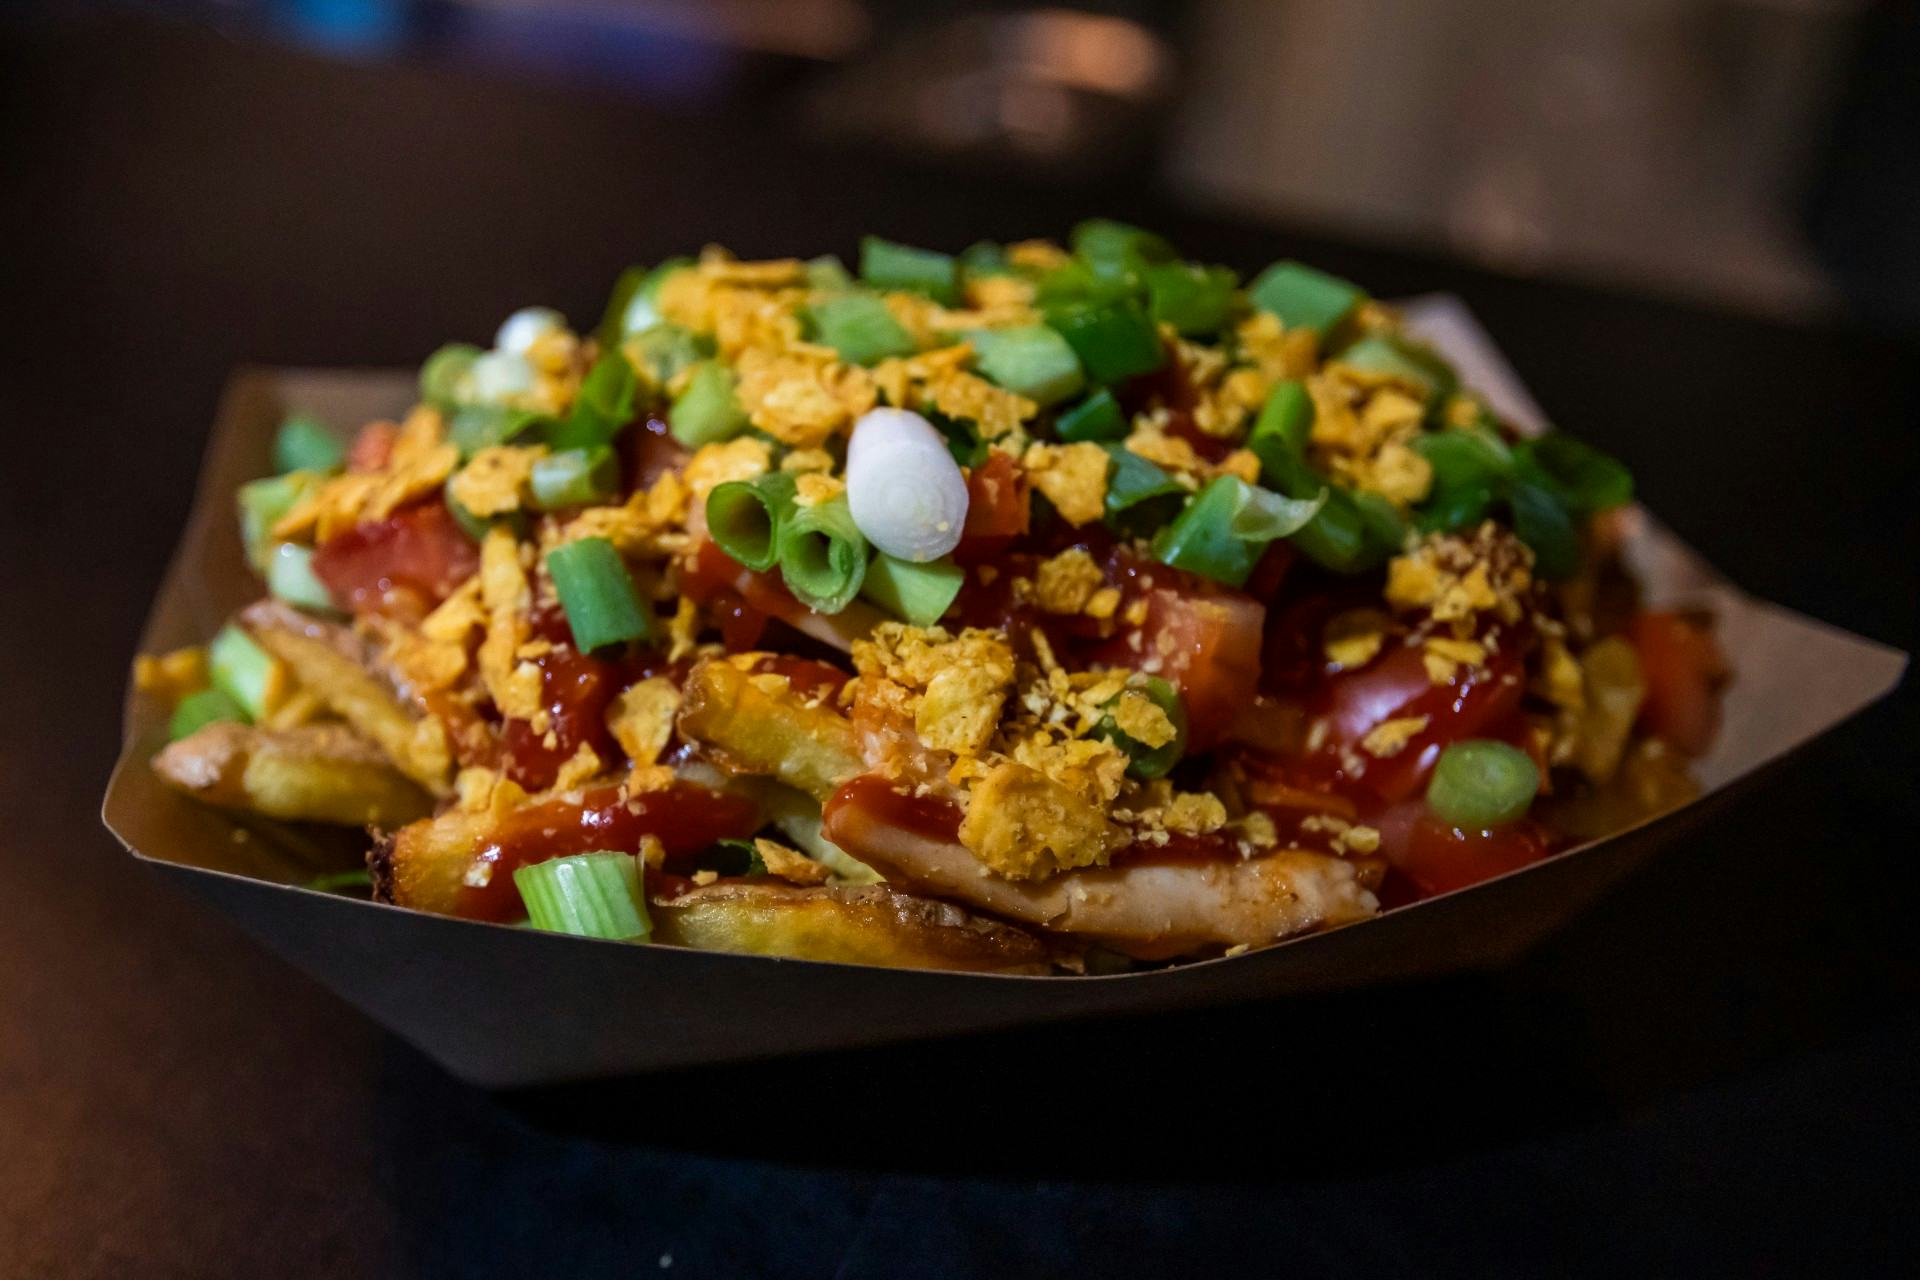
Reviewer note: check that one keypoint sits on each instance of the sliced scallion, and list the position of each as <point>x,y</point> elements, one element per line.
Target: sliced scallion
<point>1196,300</point>
<point>1225,530</point>
<point>744,518</point>
<point>1303,297</point>
<point>602,605</point>
<point>290,577</point>
<point>305,443</point>
<point>262,503</point>
<point>886,265</point>
<point>443,378</point>
<point>860,328</point>
<point>1140,496</point>
<point>1480,783</point>
<point>201,708</point>
<point>707,410</point>
<point>604,404</point>
<point>1584,479</point>
<point>475,427</point>
<point>588,895</point>
<point>915,593</point>
<point>1540,521</point>
<point>1098,418</point>
<point>659,353</point>
<point>1029,360</point>
<point>634,306</point>
<point>241,669</point>
<point>823,555</point>
<point>828,274</point>
<point>1284,426</point>
<point>574,478</point>
<point>1114,340</point>
<point>1403,360</point>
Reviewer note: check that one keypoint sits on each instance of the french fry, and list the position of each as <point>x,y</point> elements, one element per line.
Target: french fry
<point>315,773</point>
<point>813,748</point>
<point>331,661</point>
<point>851,924</point>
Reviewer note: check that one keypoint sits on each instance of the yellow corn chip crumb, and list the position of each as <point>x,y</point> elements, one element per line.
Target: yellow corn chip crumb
<point>1353,638</point>
<point>1066,582</point>
<point>1072,476</point>
<point>495,480</point>
<point>641,718</point>
<point>790,864</point>
<point>1390,737</point>
<point>1143,720</point>
<point>580,767</point>
<point>171,675</point>
<point>812,489</point>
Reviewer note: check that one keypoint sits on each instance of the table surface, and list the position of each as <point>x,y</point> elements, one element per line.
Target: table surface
<point>1710,1071</point>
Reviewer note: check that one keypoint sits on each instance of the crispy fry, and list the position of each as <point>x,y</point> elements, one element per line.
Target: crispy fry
<point>316,773</point>
<point>812,748</point>
<point>866,924</point>
<point>333,662</point>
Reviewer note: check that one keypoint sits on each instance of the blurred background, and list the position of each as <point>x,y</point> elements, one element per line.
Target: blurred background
<point>1755,155</point>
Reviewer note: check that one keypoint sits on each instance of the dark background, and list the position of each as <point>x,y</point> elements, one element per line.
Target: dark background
<point>1711,1072</point>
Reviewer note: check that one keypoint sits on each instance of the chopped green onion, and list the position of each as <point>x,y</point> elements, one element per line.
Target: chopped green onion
<point>474,526</point>
<point>588,895</point>
<point>1480,783</point>
<point>1150,762</point>
<point>1403,360</point>
<point>707,411</point>
<point>443,377</point>
<point>634,306</point>
<point>199,709</point>
<point>661,352</point>
<point>1284,426</point>
<point>860,328</point>
<point>828,274</point>
<point>744,517</point>
<point>474,427</point>
<point>1195,300</point>
<point>603,405</point>
<point>964,441</point>
<point>1029,360</point>
<point>1304,298</point>
<point>984,258</point>
<point>1471,466</point>
<point>731,858</point>
<point>823,555</point>
<point>262,503</point>
<point>290,577</point>
<point>1140,496</point>
<point>1226,528</point>
<point>1584,479</point>
<point>304,443</point>
<point>575,478</point>
<point>1098,418</point>
<point>241,669</point>
<point>1540,521</point>
<point>1119,252</point>
<point>886,265</point>
<point>1114,340</point>
<point>915,593</point>
<point>1075,281</point>
<point>602,605</point>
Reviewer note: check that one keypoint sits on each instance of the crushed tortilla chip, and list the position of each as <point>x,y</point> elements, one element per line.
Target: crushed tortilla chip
<point>1072,476</point>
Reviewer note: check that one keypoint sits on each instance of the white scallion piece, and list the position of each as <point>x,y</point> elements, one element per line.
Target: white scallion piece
<point>498,376</point>
<point>904,489</point>
<point>525,327</point>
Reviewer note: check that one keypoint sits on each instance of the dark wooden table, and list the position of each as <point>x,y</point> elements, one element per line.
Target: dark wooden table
<point>1711,1072</point>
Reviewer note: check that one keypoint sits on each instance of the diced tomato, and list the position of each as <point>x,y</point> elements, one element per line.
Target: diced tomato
<point>1439,859</point>
<point>400,566</point>
<point>1208,645</point>
<point>575,689</point>
<point>998,509</point>
<point>1683,667</point>
<point>651,452</point>
<point>685,819</point>
<point>372,446</point>
<point>713,573</point>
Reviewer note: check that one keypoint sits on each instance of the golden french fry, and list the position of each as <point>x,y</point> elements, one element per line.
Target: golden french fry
<point>813,748</point>
<point>330,660</point>
<point>851,924</point>
<point>315,773</point>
